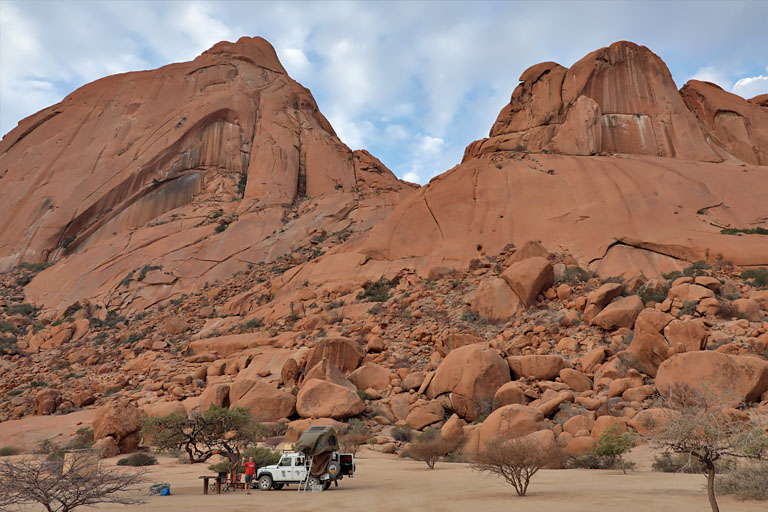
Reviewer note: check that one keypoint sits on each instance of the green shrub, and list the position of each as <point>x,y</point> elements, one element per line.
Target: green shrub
<point>34,267</point>
<point>67,241</point>
<point>253,323</point>
<point>613,444</point>
<point>689,308</point>
<point>681,463</point>
<point>649,294</point>
<point>428,435</point>
<point>671,276</point>
<point>575,275</point>
<point>242,183</point>
<point>402,433</point>
<point>38,384</point>
<point>747,481</point>
<point>587,461</point>
<point>146,269</point>
<point>83,439</point>
<point>7,451</point>
<point>363,394</point>
<point>469,316</point>
<point>377,291</point>
<point>138,459</point>
<point>698,268</point>
<point>757,277</point>
<point>747,231</point>
<point>25,309</point>
<point>6,326</point>
<point>8,344</point>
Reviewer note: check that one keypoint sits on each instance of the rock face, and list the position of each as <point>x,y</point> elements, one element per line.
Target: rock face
<point>731,378</point>
<point>655,208</point>
<point>619,99</point>
<point>470,375</point>
<point>140,170</point>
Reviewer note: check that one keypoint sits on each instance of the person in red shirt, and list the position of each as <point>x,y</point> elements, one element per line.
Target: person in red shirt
<point>250,472</point>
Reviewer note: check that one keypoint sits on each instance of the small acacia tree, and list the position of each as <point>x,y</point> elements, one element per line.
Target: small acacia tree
<point>613,444</point>
<point>701,425</point>
<point>432,447</point>
<point>515,460</point>
<point>216,431</point>
<point>62,485</point>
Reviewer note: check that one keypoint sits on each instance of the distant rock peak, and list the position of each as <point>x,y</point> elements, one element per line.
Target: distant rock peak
<point>622,99</point>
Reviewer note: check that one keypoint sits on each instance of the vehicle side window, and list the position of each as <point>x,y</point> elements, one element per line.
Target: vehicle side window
<point>285,462</point>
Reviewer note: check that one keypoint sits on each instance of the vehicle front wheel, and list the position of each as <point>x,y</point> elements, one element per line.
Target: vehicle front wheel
<point>265,483</point>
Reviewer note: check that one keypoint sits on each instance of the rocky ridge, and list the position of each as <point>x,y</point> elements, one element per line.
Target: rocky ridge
<point>605,240</point>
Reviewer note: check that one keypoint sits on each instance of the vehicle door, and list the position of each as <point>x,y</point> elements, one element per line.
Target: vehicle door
<point>284,469</point>
<point>299,469</point>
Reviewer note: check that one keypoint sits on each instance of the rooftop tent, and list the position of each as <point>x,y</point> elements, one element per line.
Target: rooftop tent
<point>317,440</point>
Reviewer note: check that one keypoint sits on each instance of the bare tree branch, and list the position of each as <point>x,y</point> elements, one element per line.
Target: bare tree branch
<point>64,485</point>
<point>515,460</point>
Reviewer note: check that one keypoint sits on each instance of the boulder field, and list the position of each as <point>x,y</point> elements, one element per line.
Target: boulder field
<point>197,235</point>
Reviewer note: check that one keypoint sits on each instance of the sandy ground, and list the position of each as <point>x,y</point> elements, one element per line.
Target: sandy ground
<point>385,483</point>
<point>28,432</point>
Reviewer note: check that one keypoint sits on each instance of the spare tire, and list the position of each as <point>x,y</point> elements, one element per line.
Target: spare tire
<point>333,469</point>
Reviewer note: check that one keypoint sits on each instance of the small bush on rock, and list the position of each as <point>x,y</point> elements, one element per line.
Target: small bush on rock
<point>757,277</point>
<point>403,433</point>
<point>7,451</point>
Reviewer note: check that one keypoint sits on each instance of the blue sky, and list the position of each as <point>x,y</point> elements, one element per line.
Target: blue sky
<point>412,82</point>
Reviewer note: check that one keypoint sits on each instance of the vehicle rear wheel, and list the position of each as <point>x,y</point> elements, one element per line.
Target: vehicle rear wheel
<point>314,482</point>
<point>278,486</point>
<point>265,483</point>
<point>326,485</point>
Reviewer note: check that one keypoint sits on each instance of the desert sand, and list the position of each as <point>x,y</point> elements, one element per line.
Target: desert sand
<point>386,483</point>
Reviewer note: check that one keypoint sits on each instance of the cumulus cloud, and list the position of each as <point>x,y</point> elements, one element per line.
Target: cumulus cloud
<point>431,145</point>
<point>295,62</point>
<point>750,87</point>
<point>412,177</point>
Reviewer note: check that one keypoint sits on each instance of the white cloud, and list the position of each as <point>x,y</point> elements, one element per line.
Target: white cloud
<point>412,177</point>
<point>295,62</point>
<point>750,87</point>
<point>201,29</point>
<point>711,74</point>
<point>431,145</point>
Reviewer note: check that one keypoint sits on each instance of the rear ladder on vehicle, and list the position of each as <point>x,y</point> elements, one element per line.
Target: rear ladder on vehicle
<point>305,483</point>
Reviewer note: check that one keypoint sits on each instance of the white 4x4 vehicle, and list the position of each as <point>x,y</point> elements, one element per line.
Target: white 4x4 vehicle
<point>293,468</point>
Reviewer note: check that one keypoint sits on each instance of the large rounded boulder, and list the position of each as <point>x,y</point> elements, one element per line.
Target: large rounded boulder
<point>323,399</point>
<point>121,421</point>
<point>470,375</point>
<point>343,353</point>
<point>732,379</point>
